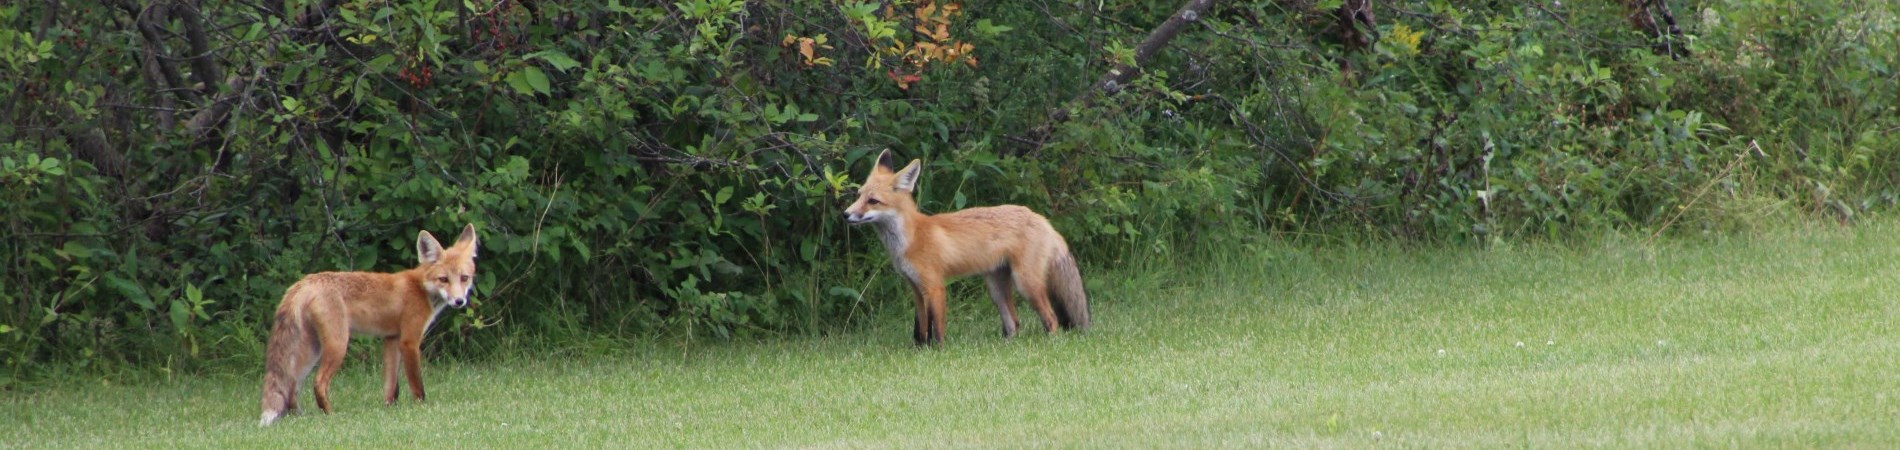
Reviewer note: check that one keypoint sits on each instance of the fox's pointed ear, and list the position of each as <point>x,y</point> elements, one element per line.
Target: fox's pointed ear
<point>907,178</point>
<point>427,249</point>
<point>468,237</point>
<point>884,160</point>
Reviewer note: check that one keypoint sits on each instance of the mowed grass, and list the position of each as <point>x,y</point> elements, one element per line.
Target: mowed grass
<point>1783,339</point>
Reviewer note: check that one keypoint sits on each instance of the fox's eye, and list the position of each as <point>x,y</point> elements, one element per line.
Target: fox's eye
<point>465,278</point>
<point>873,201</point>
<point>443,280</point>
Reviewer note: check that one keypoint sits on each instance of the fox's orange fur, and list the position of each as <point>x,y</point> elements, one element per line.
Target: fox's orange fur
<point>1012,246</point>
<point>320,312</point>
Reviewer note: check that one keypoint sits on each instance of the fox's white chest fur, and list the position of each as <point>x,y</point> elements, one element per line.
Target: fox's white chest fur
<point>891,231</point>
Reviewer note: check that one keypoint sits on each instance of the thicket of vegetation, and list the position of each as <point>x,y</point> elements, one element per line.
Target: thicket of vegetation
<point>167,167</point>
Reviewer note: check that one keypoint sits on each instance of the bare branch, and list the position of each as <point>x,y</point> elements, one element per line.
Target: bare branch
<point>1118,76</point>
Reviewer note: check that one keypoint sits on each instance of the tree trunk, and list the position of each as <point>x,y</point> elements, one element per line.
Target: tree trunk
<point>204,64</point>
<point>157,57</point>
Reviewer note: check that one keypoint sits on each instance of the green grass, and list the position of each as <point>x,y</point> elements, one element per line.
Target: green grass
<point>1785,339</point>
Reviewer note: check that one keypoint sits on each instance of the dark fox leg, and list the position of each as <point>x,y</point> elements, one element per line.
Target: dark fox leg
<point>919,331</point>
<point>1001,289</point>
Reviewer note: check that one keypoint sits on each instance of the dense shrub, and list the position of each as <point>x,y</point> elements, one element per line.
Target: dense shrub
<point>639,168</point>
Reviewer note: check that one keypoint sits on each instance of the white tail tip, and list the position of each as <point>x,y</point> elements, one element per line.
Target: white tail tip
<point>267,418</point>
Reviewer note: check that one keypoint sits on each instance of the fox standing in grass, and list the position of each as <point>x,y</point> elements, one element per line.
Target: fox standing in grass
<point>1010,245</point>
<point>318,314</point>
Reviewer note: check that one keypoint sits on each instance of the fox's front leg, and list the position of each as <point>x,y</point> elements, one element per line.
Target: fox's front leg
<point>920,324</point>
<point>392,362</point>
<point>934,309</point>
<point>412,363</point>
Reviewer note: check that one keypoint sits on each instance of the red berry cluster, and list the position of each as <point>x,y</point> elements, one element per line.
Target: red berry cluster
<point>496,27</point>
<point>416,77</point>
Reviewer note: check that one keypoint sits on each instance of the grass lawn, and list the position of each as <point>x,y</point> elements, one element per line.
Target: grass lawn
<point>1785,339</point>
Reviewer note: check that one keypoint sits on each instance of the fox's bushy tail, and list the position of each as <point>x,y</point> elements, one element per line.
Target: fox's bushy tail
<point>285,361</point>
<point>1067,294</point>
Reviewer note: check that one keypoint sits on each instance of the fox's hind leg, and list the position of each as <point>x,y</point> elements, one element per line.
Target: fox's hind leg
<point>1000,292</point>
<point>335,339</point>
<point>306,362</point>
<point>1030,278</point>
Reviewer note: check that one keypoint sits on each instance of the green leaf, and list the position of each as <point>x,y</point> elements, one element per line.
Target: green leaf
<point>862,11</point>
<point>256,30</point>
<point>774,114</point>
<point>180,315</point>
<point>519,81</point>
<point>537,79</point>
<point>381,63</point>
<point>73,249</point>
<point>581,248</point>
<point>845,292</point>
<point>131,291</point>
<point>359,89</point>
<point>988,29</point>
<point>724,194</point>
<point>560,61</point>
<point>40,260</point>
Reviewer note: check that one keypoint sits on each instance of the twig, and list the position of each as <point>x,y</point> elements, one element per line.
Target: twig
<point>1724,173</point>
<point>534,250</point>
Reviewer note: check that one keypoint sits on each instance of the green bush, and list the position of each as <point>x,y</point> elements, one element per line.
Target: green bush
<point>650,169</point>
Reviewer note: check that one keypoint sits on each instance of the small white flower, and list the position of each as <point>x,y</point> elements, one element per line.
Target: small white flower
<point>1550,342</point>
<point>1441,352</point>
<point>1659,342</point>
<point>1520,344</point>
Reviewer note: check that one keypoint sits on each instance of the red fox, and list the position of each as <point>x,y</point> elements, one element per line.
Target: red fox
<point>318,314</point>
<point>1010,245</point>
